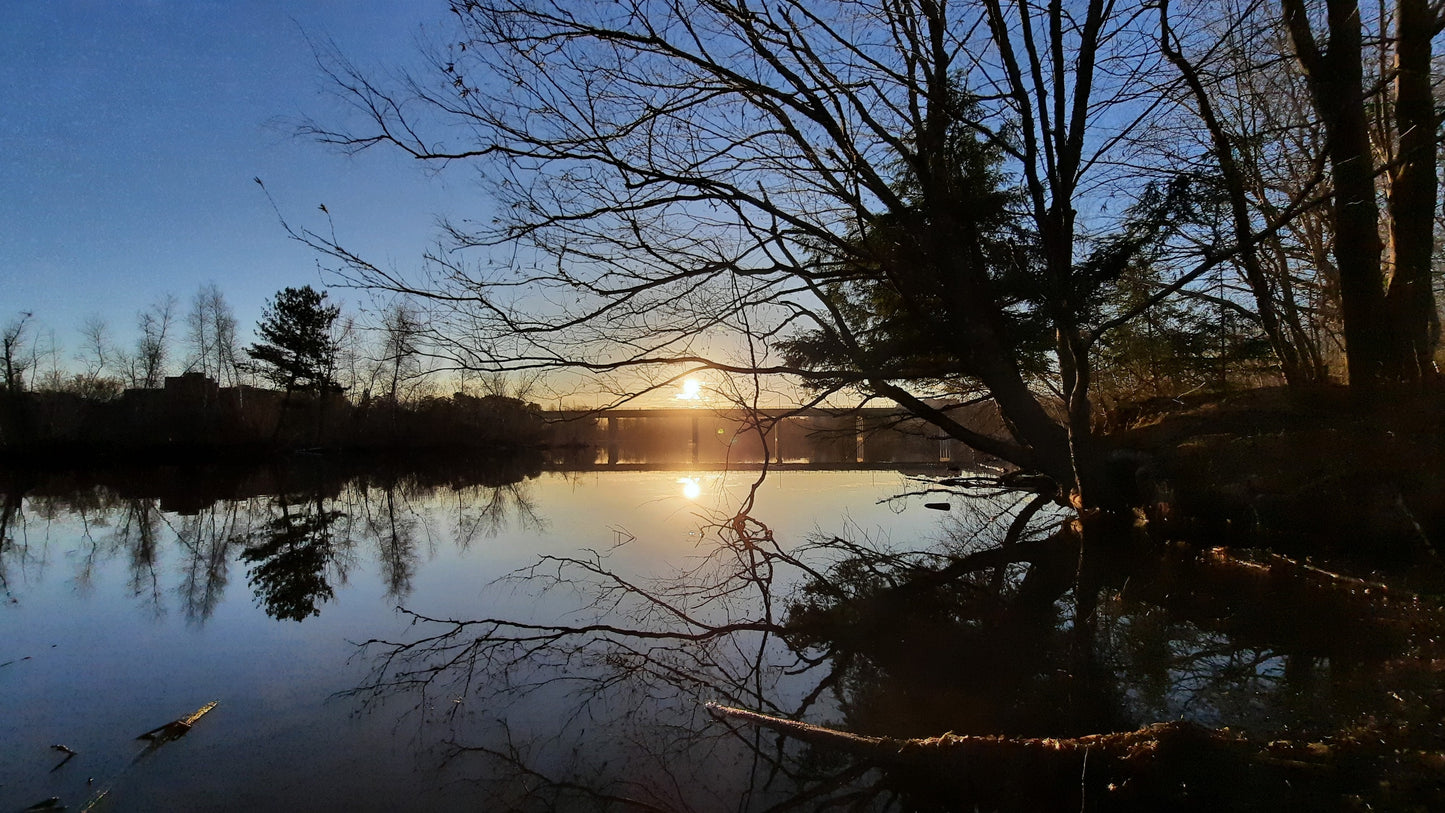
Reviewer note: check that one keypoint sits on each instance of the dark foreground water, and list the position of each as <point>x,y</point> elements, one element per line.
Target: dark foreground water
<point>122,613</point>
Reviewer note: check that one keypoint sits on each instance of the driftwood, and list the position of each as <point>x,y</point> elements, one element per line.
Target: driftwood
<point>1277,601</point>
<point>69,755</point>
<point>177,728</point>
<point>155,738</point>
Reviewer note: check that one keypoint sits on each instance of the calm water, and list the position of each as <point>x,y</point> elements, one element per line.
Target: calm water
<point>122,613</point>
<point>562,631</point>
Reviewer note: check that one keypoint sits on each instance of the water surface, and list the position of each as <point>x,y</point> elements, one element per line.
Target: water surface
<point>123,611</point>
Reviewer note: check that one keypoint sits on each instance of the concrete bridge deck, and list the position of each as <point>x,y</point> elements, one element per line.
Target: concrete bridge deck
<point>731,413</point>
<point>851,436</point>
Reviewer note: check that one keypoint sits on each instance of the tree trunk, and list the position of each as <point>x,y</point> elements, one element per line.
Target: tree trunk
<point>1336,81</point>
<point>1295,371</point>
<point>1411,300</point>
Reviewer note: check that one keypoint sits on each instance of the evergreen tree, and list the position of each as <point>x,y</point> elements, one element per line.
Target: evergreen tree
<point>297,351</point>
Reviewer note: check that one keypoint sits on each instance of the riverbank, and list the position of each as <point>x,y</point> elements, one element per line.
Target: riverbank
<point>192,419</point>
<point>1303,472</point>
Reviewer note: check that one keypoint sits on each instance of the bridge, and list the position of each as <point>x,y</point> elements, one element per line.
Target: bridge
<point>814,435</point>
<point>733,413</point>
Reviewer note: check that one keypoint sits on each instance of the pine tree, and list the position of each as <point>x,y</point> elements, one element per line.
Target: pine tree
<point>297,351</point>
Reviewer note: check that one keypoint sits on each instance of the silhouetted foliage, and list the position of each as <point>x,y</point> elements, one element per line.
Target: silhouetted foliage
<point>289,558</point>
<point>297,350</point>
<point>905,309</point>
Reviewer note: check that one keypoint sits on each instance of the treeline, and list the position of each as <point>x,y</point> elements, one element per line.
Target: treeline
<point>193,418</point>
<point>387,351</point>
<point>327,390</point>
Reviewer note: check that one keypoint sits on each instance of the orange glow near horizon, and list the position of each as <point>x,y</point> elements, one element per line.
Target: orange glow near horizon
<point>691,390</point>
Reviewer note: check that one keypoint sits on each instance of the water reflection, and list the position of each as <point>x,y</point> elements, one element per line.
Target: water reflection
<point>582,677</point>
<point>297,544</point>
<point>1013,642</point>
<point>393,521</point>
<point>290,556</point>
<point>691,487</point>
<point>9,515</point>
<point>207,540</point>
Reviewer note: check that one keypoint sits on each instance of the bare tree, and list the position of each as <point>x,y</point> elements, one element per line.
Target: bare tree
<point>211,336</point>
<point>97,350</point>
<point>399,365</point>
<point>147,364</point>
<point>1394,338</point>
<point>676,177</point>
<point>12,344</point>
<point>1413,197</point>
<point>1274,310</point>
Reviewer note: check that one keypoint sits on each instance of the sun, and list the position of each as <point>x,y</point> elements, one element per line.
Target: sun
<point>691,390</point>
<point>691,488</point>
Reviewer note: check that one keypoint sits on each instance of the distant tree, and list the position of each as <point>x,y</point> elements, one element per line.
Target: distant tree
<point>97,351</point>
<point>298,350</point>
<point>351,371</point>
<point>43,358</point>
<point>12,341</point>
<point>152,350</point>
<point>90,387</point>
<point>211,333</point>
<point>400,362</point>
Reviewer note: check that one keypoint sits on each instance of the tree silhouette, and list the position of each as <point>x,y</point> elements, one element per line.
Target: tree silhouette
<point>297,350</point>
<point>681,180</point>
<point>288,562</point>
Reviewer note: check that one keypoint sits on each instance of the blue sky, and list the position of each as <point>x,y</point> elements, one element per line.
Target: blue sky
<point>130,133</point>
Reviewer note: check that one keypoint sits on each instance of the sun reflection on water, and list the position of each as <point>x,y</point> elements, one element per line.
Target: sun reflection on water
<point>691,487</point>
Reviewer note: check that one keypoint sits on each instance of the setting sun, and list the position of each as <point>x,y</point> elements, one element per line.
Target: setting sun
<point>691,390</point>
<point>691,488</point>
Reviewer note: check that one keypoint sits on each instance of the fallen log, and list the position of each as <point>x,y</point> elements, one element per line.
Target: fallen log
<point>1175,765</point>
<point>155,738</point>
<point>177,728</point>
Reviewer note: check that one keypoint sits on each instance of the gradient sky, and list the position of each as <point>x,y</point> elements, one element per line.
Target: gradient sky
<point>130,133</point>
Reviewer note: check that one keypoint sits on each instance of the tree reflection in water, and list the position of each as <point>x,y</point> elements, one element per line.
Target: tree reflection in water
<point>299,547</point>
<point>208,538</point>
<point>290,555</point>
<point>1330,685</point>
<point>482,512</point>
<point>12,536</point>
<point>392,519</point>
<point>1052,697</point>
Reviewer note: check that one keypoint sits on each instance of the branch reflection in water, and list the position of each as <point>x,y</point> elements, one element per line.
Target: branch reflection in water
<point>634,664</point>
<point>583,675</point>
<point>995,631</point>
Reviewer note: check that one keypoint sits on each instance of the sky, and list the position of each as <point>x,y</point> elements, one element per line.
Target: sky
<point>130,134</point>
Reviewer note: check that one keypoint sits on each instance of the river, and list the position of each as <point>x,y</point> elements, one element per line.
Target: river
<point>122,613</point>
<point>524,636</point>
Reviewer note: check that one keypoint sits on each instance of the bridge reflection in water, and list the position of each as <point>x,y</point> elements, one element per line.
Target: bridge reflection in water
<point>723,437</point>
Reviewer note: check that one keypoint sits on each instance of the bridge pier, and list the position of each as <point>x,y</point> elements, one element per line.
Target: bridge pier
<point>612,442</point>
